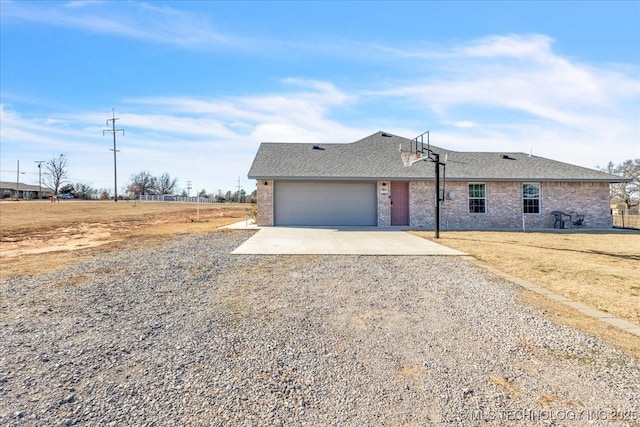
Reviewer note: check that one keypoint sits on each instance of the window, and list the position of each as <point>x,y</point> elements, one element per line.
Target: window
<point>477,198</point>
<point>531,198</point>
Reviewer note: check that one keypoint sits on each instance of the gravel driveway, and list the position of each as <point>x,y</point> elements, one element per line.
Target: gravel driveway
<point>187,334</point>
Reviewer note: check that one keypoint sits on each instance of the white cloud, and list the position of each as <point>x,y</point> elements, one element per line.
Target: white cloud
<point>499,93</point>
<point>287,116</point>
<point>140,21</point>
<point>517,92</point>
<point>81,3</point>
<point>515,46</point>
<point>204,140</point>
<point>463,124</point>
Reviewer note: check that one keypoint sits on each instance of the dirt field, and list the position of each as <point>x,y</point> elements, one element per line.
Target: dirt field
<point>38,236</point>
<point>601,270</point>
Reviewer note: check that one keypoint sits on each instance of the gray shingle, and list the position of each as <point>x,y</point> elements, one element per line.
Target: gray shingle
<point>377,157</point>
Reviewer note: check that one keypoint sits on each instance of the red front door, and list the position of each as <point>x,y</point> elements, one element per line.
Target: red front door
<point>399,203</point>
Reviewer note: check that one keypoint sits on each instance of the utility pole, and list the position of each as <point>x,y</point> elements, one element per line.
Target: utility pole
<point>198,207</point>
<point>18,182</point>
<point>238,189</point>
<point>39,162</point>
<point>114,131</point>
<point>188,188</point>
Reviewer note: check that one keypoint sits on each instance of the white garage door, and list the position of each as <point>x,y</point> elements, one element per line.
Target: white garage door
<point>325,203</point>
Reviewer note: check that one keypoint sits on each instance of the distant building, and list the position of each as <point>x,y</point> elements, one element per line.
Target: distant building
<point>620,208</point>
<point>22,191</point>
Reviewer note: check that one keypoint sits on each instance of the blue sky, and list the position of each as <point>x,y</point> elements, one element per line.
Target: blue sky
<point>198,85</point>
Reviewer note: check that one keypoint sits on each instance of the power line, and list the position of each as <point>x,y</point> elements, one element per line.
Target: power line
<point>114,131</point>
<point>12,171</point>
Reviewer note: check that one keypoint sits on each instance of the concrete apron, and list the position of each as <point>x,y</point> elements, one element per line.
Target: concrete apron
<point>338,241</point>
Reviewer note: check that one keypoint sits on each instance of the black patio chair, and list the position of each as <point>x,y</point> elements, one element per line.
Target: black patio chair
<point>560,218</point>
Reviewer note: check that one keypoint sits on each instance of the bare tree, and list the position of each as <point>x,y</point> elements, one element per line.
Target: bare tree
<point>56,173</point>
<point>141,183</point>
<point>626,192</point>
<point>164,184</point>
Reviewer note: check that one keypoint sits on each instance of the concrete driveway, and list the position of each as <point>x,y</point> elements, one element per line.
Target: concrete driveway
<point>339,241</point>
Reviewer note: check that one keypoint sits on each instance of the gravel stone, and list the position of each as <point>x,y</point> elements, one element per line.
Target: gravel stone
<point>187,334</point>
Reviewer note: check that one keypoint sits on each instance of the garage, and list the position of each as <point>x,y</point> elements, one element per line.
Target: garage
<point>325,203</point>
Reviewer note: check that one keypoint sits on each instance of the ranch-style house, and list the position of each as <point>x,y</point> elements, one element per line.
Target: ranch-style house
<point>365,183</point>
<point>18,190</point>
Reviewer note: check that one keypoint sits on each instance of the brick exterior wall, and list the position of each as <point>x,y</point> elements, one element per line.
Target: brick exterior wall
<point>503,208</point>
<point>422,208</point>
<point>504,205</point>
<point>384,203</point>
<point>264,198</point>
<point>590,199</point>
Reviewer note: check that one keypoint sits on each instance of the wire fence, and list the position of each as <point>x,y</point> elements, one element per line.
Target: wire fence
<point>626,221</point>
<point>170,198</point>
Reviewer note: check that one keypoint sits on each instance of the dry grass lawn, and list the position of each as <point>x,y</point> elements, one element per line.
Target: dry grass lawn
<point>36,216</point>
<point>40,236</point>
<point>599,269</point>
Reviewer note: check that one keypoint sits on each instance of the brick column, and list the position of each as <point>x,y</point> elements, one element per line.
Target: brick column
<point>265,202</point>
<point>384,204</point>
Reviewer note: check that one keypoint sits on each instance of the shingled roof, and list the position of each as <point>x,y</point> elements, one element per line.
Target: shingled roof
<point>377,157</point>
<point>12,185</point>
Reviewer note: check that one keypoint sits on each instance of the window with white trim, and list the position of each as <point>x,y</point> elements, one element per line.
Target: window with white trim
<point>477,198</point>
<point>531,198</point>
